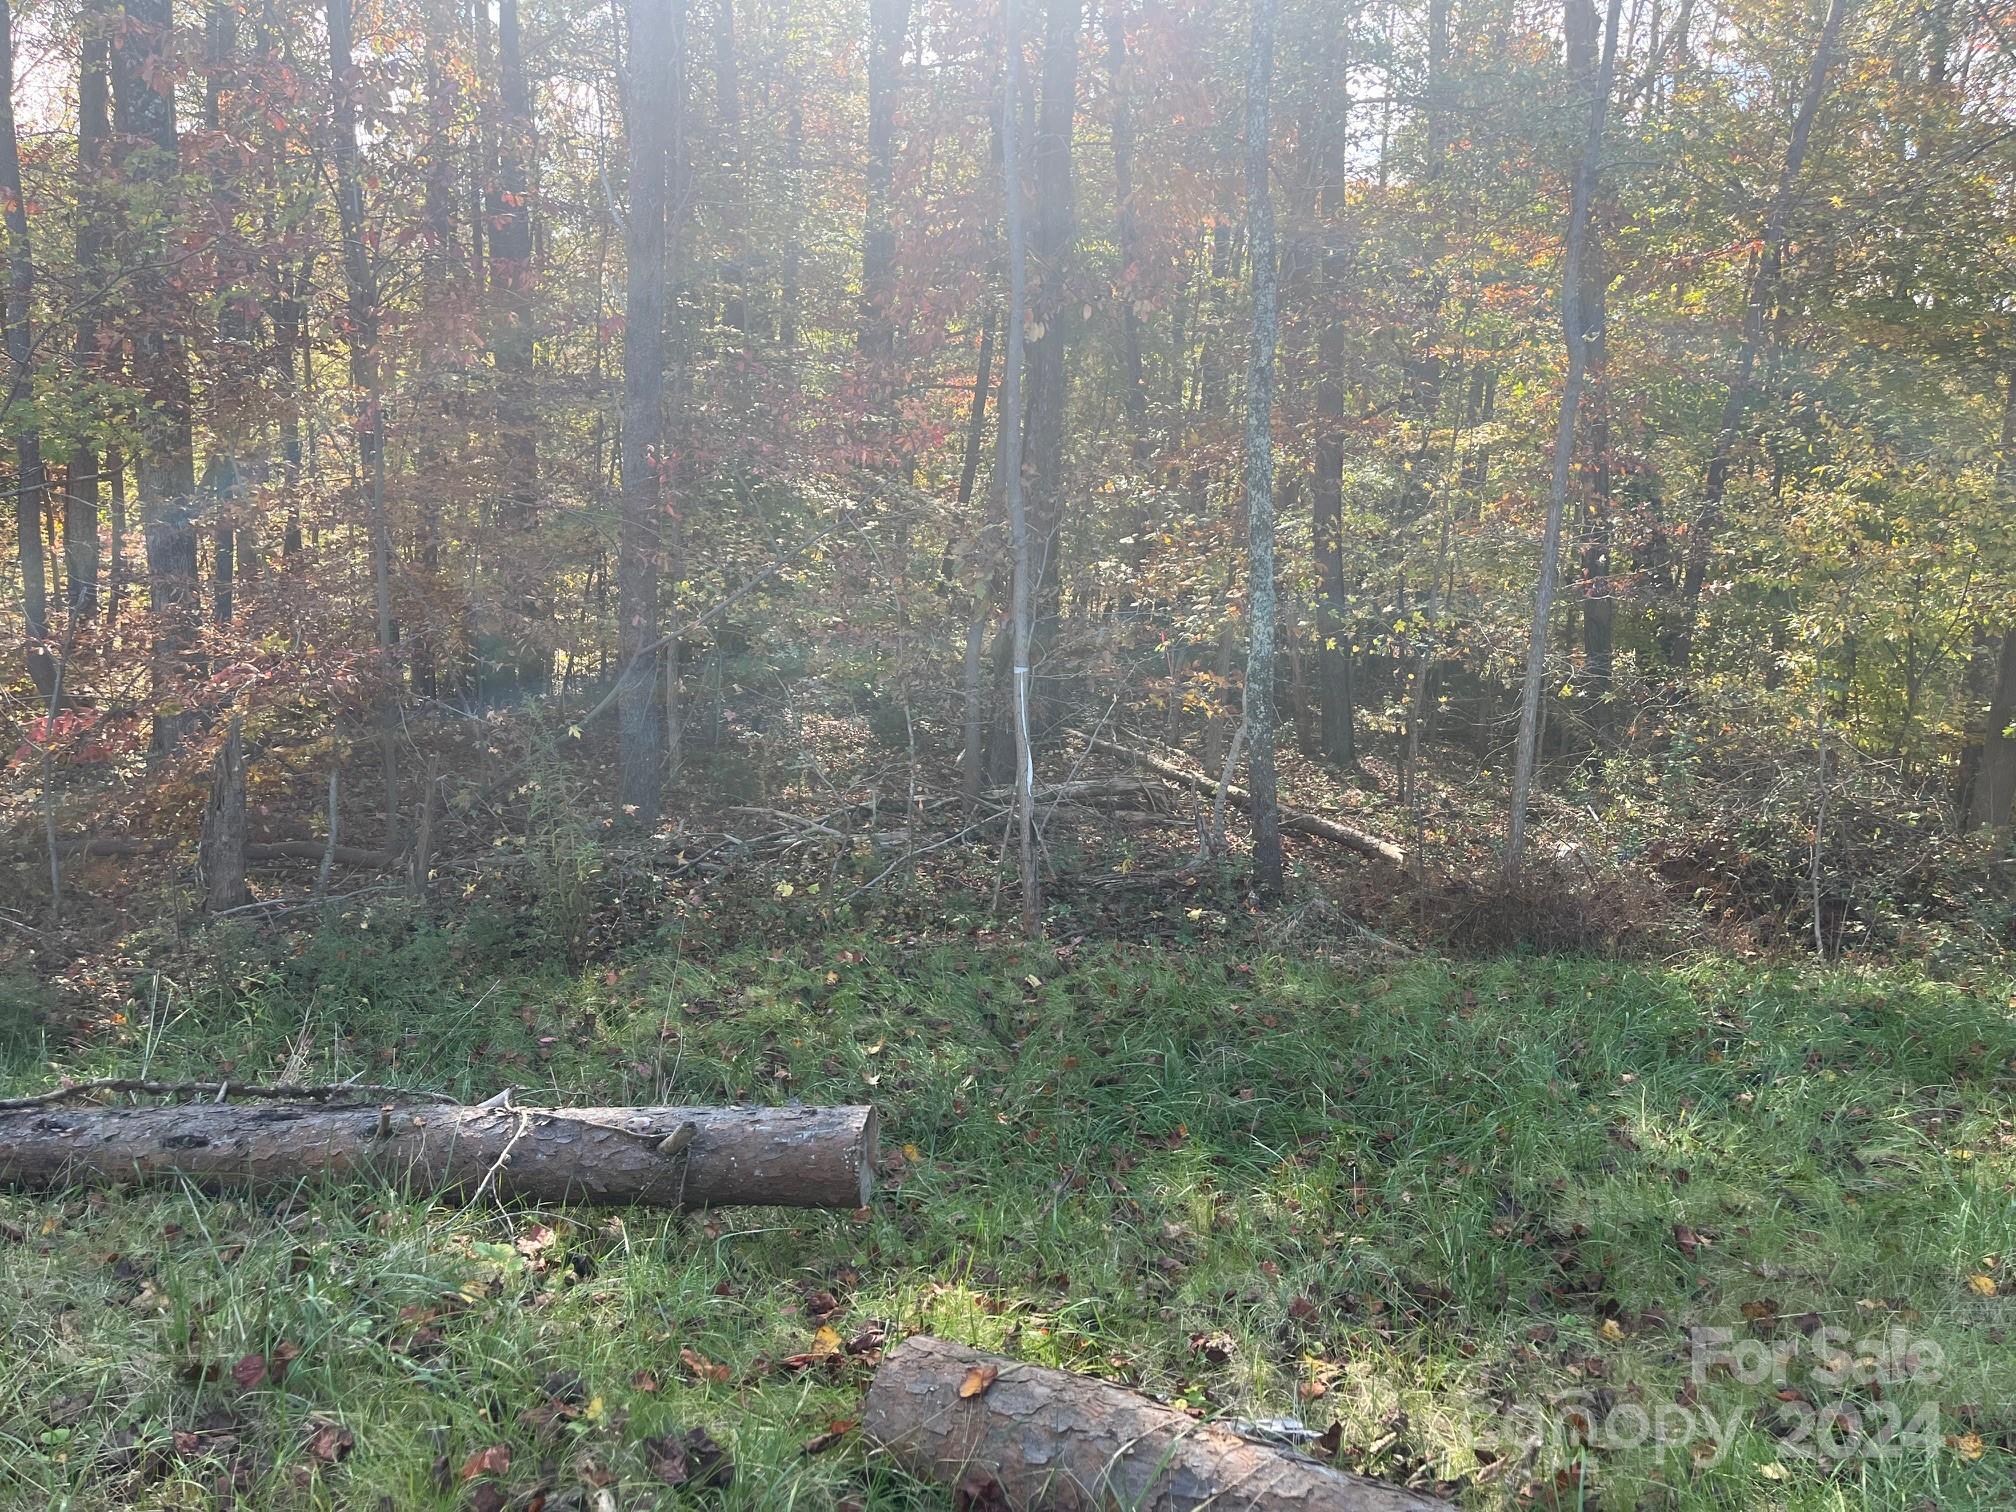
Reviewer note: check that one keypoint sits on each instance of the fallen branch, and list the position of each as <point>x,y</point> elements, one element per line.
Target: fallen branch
<point>1029,1437</point>
<point>781,1157</point>
<point>1364,843</point>
<point>257,850</point>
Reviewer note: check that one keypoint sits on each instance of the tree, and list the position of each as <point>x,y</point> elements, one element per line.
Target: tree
<point>1761,304</point>
<point>94,128</point>
<point>360,279</point>
<point>29,484</point>
<point>650,100</point>
<point>1262,610</point>
<point>1574,338</point>
<point>148,157</point>
<point>1011,426</point>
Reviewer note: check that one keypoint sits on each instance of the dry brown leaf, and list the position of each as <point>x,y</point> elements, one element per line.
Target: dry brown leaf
<point>978,1379</point>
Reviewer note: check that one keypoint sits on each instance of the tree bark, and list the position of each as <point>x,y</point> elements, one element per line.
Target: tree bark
<point>221,854</point>
<point>1762,298</point>
<point>29,482</point>
<point>640,551</point>
<point>1261,600</point>
<point>1574,338</point>
<point>781,1157</point>
<point>1025,1437</point>
<point>148,153</point>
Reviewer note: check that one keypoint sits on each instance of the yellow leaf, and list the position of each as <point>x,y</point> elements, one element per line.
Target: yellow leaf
<point>978,1379</point>
<point>1981,1286</point>
<point>826,1342</point>
<point>911,1152</point>
<point>1773,1471</point>
<point>1612,1330</point>
<point>1967,1445</point>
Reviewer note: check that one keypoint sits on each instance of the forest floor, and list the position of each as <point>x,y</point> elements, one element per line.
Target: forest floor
<point>1487,1216</point>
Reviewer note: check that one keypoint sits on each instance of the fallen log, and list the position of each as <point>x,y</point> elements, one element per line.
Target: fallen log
<point>654,1156</point>
<point>1037,1438</point>
<point>1365,843</point>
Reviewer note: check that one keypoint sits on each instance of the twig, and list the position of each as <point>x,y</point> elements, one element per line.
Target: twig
<point>524,1123</point>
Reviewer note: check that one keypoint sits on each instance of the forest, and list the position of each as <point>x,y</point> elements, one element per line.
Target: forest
<point>1008,754</point>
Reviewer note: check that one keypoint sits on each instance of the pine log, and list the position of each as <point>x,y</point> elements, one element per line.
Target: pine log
<point>655,1156</point>
<point>1036,1438</point>
<point>1364,843</point>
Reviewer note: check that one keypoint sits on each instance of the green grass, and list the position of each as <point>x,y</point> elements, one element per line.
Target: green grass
<point>1435,1201</point>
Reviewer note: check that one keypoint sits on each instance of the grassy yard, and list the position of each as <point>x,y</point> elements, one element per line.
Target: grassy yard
<point>1486,1216</point>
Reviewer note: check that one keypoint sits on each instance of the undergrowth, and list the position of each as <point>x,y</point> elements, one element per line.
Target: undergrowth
<point>1475,1213</point>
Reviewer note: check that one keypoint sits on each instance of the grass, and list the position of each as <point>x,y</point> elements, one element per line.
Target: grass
<point>1472,1212</point>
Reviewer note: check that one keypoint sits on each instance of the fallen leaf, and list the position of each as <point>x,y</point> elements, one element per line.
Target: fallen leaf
<point>1612,1330</point>
<point>330,1442</point>
<point>249,1371</point>
<point>495,1460</point>
<point>703,1368</point>
<point>1981,1286</point>
<point>643,1380</point>
<point>826,1342</point>
<point>1968,1446</point>
<point>978,1379</point>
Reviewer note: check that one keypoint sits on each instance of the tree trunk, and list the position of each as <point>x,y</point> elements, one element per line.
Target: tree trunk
<point>1574,338</point>
<point>360,279</point>
<point>1053,312</point>
<point>1010,424</point>
<point>650,101</point>
<point>29,484</point>
<point>654,1156</point>
<point>1133,379</point>
<point>529,668</point>
<point>888,26</point>
<point>94,129</point>
<point>1333,614</point>
<point>1763,297</point>
<point>1023,1437</point>
<point>148,153</point>
<point>221,856</point>
<point>1995,783</point>
<point>1261,599</point>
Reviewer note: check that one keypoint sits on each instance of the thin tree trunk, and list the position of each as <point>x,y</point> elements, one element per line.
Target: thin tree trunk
<point>1334,660</point>
<point>1763,298</point>
<point>888,25</point>
<point>1133,380</point>
<point>29,484</point>
<point>1010,423</point>
<point>1259,715</point>
<point>361,285</point>
<point>148,152</point>
<point>1053,308</point>
<point>978,574</point>
<point>94,129</point>
<point>1574,339</point>
<point>530,662</point>
<point>649,99</point>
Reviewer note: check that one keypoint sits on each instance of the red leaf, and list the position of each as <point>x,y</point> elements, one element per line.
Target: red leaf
<point>496,1460</point>
<point>250,1371</point>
